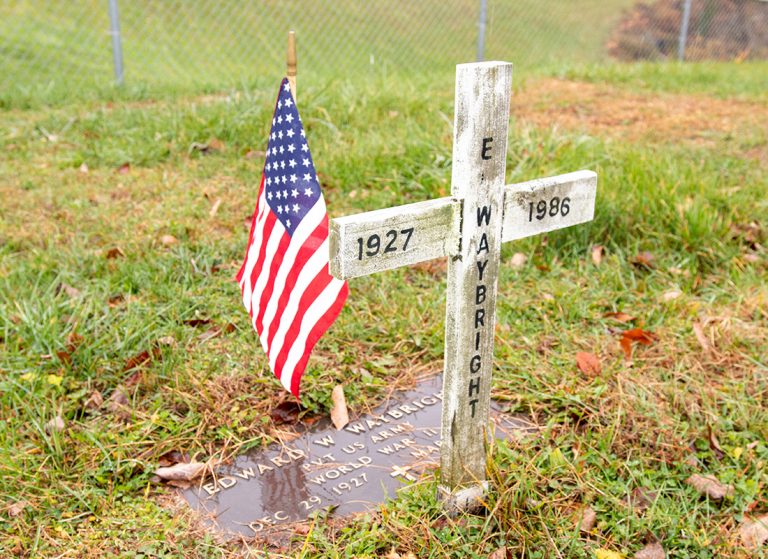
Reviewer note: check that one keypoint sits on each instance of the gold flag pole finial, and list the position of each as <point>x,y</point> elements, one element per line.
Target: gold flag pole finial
<point>292,62</point>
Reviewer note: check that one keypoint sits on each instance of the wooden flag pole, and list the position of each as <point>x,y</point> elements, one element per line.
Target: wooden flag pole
<point>292,62</point>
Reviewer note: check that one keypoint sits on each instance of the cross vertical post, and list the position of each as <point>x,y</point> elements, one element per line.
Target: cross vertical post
<point>479,165</point>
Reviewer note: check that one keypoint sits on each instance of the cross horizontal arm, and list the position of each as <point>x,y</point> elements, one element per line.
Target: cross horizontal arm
<point>543,205</point>
<point>371,242</point>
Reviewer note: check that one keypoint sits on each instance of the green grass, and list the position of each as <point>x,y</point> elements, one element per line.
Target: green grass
<point>87,489</point>
<point>725,80</point>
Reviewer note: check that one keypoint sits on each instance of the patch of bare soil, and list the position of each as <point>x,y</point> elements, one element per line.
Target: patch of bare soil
<point>612,112</point>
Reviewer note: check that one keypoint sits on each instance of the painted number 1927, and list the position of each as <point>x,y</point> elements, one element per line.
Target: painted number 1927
<point>551,208</point>
<point>374,244</point>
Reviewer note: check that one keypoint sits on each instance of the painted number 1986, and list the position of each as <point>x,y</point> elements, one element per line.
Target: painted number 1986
<point>374,244</point>
<point>551,208</point>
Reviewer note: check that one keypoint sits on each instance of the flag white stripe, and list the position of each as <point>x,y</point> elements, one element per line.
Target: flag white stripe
<point>253,252</point>
<point>308,224</point>
<point>314,313</point>
<point>316,264</point>
<point>278,231</point>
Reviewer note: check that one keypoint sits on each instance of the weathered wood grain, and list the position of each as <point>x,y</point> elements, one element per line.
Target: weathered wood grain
<point>435,233</point>
<point>479,162</point>
<point>521,218</point>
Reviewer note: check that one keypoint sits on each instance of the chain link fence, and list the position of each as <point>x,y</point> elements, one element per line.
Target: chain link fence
<point>73,46</point>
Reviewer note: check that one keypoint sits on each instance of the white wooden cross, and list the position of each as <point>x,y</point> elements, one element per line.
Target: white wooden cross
<point>468,227</point>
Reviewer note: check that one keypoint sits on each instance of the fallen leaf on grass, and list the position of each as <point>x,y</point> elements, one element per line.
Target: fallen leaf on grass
<point>195,322</point>
<point>714,445</point>
<point>597,254</point>
<point>124,169</point>
<point>214,208</point>
<point>500,553</point>
<point>607,554</point>
<point>55,424</point>
<point>651,551</point>
<point>215,332</point>
<point>339,414</point>
<point>671,295</point>
<point>640,499</point>
<point>588,520</point>
<point>168,341</point>
<point>619,317</point>
<point>168,240</point>
<point>518,260</point>
<point>70,291</point>
<point>17,508</point>
<point>588,363</point>
<point>115,252</point>
<point>141,358</point>
<point>118,401</point>
<point>636,335</point>
<point>709,485</point>
<point>285,412</point>
<point>185,471</point>
<point>754,532</point>
<point>700,337</point>
<point>83,168</point>
<point>254,154</point>
<point>643,260</point>
<point>94,401</point>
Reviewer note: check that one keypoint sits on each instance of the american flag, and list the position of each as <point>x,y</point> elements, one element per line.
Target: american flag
<point>286,286</point>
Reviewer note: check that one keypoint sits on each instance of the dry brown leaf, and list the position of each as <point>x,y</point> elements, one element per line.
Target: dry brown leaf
<point>94,401</point>
<point>710,485</point>
<point>637,335</point>
<point>700,337</point>
<point>181,472</point>
<point>754,532</point>
<point>597,254</point>
<point>118,401</point>
<point>169,341</point>
<point>500,553</point>
<point>518,260</point>
<point>71,292</point>
<point>588,520</point>
<point>168,240</point>
<point>285,412</point>
<point>339,413</point>
<point>651,551</point>
<point>671,295</point>
<point>55,424</point>
<point>643,260</point>
<point>640,499</point>
<point>714,445</point>
<point>141,358</point>
<point>214,208</point>
<point>83,168</point>
<point>17,508</point>
<point>588,363</point>
<point>619,317</point>
<point>124,169</point>
<point>115,252</point>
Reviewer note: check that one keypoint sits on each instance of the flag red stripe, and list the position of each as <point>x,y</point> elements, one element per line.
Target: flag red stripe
<point>266,232</point>
<point>319,329</point>
<point>274,266</point>
<point>239,275</point>
<point>304,254</point>
<point>314,289</point>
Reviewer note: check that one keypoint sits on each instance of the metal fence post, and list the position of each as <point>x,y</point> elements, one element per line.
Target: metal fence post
<point>481,31</point>
<point>117,43</point>
<point>684,30</point>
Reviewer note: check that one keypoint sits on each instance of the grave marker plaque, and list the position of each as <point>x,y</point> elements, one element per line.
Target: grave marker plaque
<point>353,469</point>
